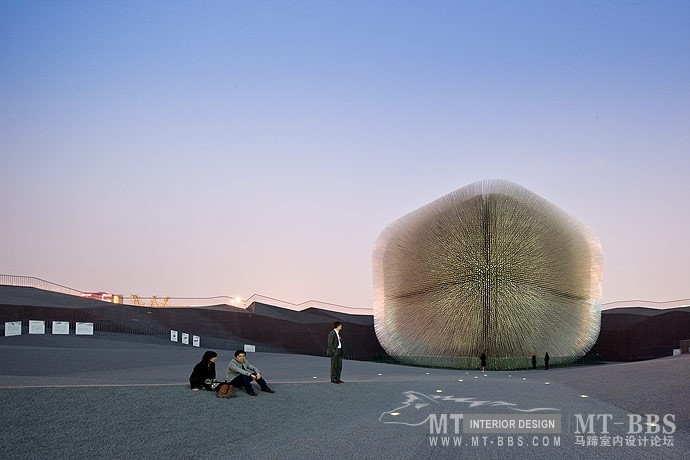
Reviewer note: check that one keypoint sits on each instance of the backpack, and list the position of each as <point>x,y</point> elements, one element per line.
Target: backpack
<point>225,390</point>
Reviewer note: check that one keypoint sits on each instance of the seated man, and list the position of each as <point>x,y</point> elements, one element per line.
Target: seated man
<point>242,374</point>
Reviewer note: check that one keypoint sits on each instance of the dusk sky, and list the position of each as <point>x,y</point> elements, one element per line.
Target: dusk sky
<point>195,149</point>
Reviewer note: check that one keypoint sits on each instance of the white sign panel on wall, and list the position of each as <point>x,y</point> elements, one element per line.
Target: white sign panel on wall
<point>249,348</point>
<point>61,327</point>
<point>185,338</point>
<point>173,336</point>
<point>196,341</point>
<point>13,328</point>
<point>83,329</point>
<point>37,327</point>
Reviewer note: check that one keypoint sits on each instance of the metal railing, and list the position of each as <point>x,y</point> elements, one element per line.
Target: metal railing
<point>646,304</point>
<point>30,281</point>
<point>184,302</point>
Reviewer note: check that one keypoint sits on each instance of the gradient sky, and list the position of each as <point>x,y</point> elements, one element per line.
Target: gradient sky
<point>194,149</point>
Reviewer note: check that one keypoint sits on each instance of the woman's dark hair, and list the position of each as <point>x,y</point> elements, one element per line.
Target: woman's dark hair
<point>208,355</point>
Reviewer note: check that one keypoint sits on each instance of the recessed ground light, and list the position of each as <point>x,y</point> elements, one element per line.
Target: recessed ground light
<point>395,413</point>
<point>476,377</point>
<point>546,383</point>
<point>380,374</point>
<point>524,378</point>
<point>584,396</point>
<point>428,373</point>
<point>460,380</point>
<point>315,377</point>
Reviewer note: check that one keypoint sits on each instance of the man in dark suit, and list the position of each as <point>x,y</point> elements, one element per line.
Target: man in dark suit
<point>335,351</point>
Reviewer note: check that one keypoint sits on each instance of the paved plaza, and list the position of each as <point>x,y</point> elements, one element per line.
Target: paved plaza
<point>116,396</point>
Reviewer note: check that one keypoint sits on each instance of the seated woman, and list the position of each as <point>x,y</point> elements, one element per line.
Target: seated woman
<point>204,374</point>
<point>204,377</point>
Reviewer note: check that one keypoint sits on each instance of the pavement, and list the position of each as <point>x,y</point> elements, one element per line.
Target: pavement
<point>116,396</point>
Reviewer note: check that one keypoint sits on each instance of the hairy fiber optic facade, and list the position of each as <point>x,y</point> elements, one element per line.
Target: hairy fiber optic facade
<point>493,268</point>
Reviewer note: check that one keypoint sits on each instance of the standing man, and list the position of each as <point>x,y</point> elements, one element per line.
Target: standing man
<point>335,351</point>
<point>546,361</point>
<point>242,374</point>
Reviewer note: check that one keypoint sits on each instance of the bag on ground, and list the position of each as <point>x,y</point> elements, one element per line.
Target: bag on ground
<point>225,390</point>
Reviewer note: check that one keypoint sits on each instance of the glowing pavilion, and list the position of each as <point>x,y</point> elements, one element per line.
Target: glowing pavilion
<point>493,268</point>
